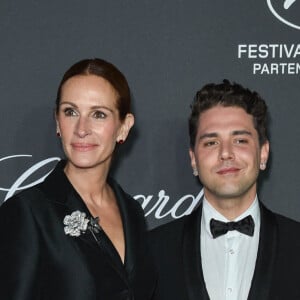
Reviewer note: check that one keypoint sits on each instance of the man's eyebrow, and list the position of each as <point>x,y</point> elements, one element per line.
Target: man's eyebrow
<point>214,134</point>
<point>208,135</point>
<point>241,132</point>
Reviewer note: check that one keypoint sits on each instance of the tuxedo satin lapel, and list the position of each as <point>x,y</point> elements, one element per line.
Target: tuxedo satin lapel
<point>99,240</point>
<point>261,282</point>
<point>129,227</point>
<point>58,189</point>
<point>74,203</point>
<point>96,240</point>
<point>56,186</point>
<point>196,288</point>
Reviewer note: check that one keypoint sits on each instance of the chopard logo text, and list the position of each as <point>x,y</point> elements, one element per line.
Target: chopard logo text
<point>159,206</point>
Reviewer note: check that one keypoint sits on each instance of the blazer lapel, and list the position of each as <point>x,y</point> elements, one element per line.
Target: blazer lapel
<point>58,189</point>
<point>97,239</point>
<point>196,288</point>
<point>262,277</point>
<point>130,226</point>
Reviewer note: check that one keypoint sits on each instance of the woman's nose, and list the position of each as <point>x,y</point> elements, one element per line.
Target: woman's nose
<point>82,128</point>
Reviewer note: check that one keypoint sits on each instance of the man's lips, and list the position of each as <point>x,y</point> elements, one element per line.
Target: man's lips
<point>230,170</point>
<point>83,147</point>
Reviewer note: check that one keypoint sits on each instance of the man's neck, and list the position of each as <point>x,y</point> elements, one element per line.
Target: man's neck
<point>231,208</point>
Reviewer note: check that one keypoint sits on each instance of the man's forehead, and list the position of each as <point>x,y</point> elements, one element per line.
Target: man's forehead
<point>226,115</point>
<point>232,120</point>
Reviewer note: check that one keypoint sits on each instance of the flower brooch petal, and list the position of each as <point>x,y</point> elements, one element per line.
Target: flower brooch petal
<point>76,223</point>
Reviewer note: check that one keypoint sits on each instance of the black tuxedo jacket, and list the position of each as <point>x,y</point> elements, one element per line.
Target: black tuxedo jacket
<point>176,247</point>
<point>38,261</point>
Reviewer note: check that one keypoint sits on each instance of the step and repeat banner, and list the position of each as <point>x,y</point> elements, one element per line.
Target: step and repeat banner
<point>167,50</point>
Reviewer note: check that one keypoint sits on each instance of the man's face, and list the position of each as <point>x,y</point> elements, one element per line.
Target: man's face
<point>227,154</point>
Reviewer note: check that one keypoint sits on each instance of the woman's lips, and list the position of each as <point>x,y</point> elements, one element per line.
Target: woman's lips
<point>83,147</point>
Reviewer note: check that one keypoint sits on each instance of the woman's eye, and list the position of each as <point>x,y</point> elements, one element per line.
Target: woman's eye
<point>99,115</point>
<point>70,112</point>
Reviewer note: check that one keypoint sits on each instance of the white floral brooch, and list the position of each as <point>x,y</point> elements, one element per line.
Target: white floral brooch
<point>77,223</point>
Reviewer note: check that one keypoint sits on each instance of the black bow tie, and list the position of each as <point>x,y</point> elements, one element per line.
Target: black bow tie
<point>245,226</point>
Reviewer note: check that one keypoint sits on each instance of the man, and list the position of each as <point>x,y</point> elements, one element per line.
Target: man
<point>231,247</point>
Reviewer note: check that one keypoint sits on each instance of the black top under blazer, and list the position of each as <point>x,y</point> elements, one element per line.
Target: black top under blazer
<point>176,248</point>
<point>38,261</point>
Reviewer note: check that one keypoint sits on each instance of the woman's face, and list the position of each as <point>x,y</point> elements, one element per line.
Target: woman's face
<point>88,121</point>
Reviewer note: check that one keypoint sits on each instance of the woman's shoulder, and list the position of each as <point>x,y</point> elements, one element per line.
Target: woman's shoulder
<point>20,212</point>
<point>27,198</point>
<point>53,183</point>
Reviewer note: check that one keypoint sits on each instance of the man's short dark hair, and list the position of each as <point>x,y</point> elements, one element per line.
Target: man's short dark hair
<point>229,94</point>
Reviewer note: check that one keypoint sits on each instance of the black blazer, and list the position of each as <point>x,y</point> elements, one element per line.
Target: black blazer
<point>39,261</point>
<point>176,247</point>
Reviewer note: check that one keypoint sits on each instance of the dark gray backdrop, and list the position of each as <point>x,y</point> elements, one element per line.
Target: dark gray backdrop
<point>168,50</point>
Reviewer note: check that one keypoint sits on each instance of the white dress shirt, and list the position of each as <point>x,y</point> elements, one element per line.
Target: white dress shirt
<point>228,261</point>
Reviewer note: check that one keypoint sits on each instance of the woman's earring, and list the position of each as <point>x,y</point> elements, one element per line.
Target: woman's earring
<point>120,141</point>
<point>58,134</point>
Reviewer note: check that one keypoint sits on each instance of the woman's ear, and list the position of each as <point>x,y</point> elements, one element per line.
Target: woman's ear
<point>57,125</point>
<point>125,127</point>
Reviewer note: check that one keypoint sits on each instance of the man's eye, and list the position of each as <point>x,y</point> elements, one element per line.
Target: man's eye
<point>99,115</point>
<point>241,141</point>
<point>70,112</point>
<point>210,143</point>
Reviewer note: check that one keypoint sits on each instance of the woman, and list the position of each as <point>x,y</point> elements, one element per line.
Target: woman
<point>78,235</point>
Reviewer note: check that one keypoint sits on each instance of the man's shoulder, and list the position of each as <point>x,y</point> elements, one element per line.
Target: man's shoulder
<point>166,242</point>
<point>285,222</point>
<point>281,219</point>
<point>287,228</point>
<point>177,227</point>
<point>170,227</point>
